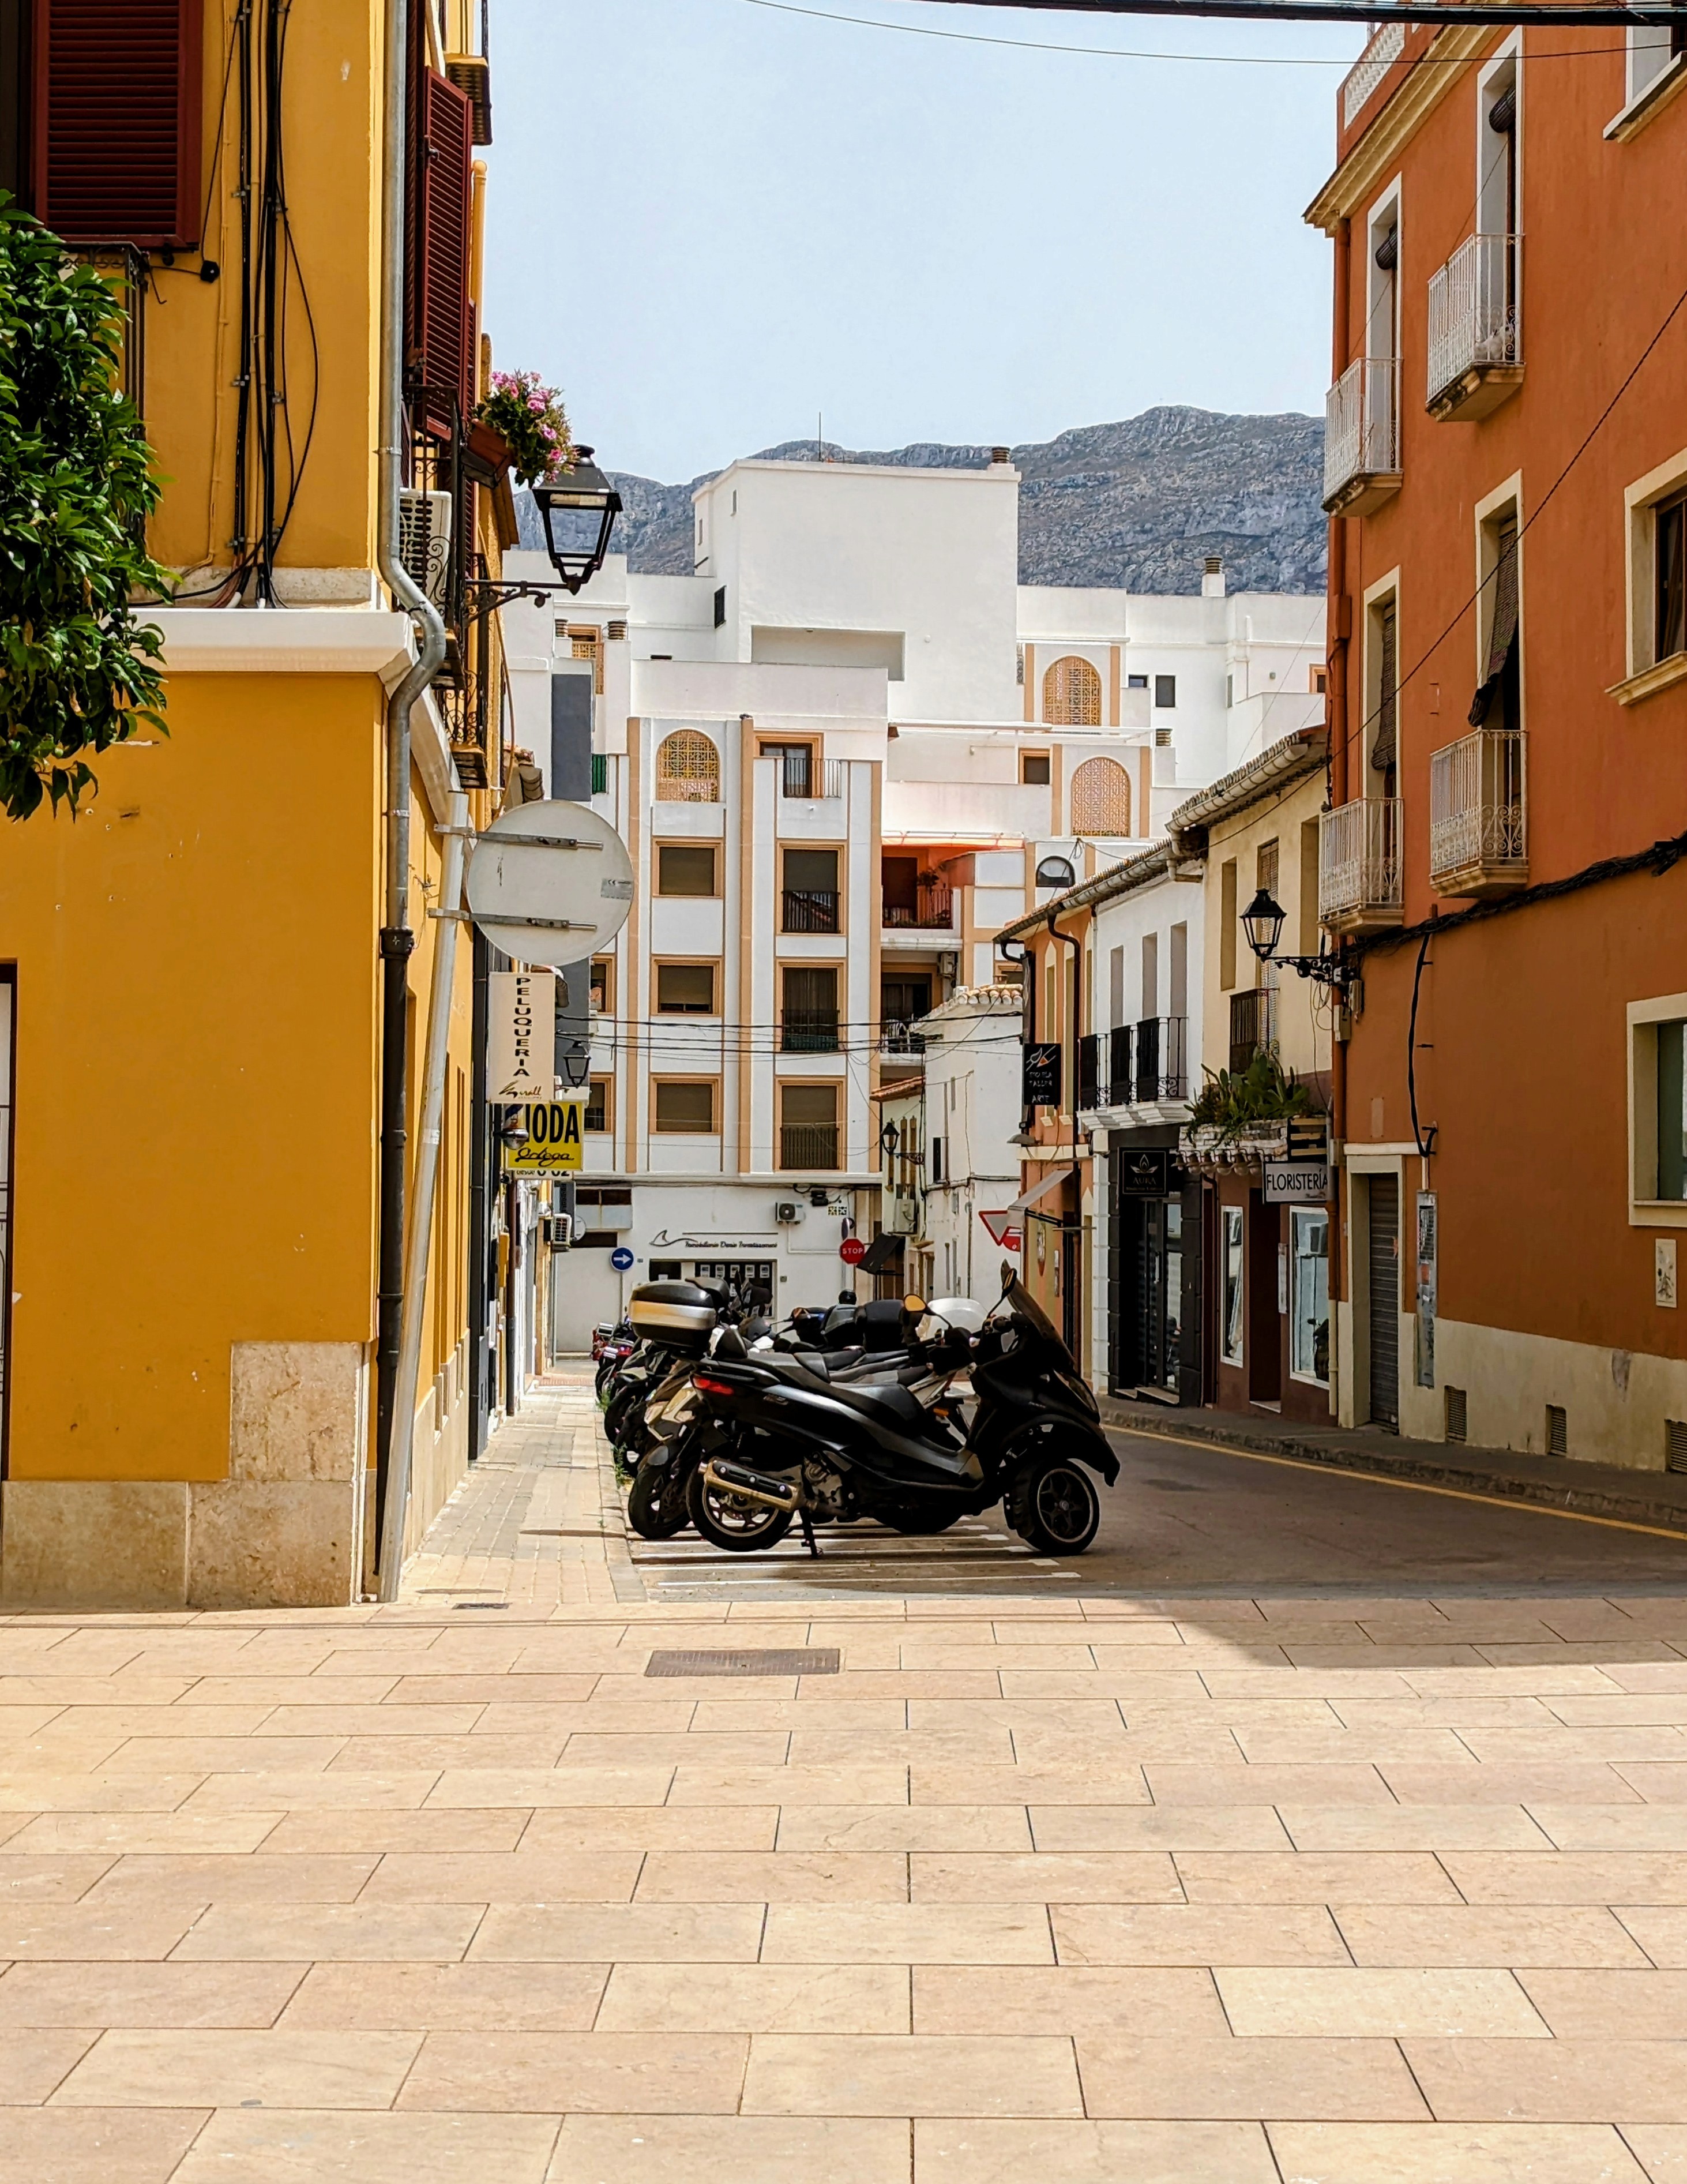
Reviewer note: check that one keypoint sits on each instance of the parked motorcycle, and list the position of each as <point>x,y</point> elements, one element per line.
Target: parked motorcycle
<point>806,1445</point>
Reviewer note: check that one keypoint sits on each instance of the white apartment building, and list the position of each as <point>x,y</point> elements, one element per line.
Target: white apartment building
<point>843,753</point>
<point>971,1116</point>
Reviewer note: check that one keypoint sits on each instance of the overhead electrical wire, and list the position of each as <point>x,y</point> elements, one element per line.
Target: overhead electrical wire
<point>1500,15</point>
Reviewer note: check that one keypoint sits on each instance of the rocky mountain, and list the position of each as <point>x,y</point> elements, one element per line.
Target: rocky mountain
<point>1140,503</point>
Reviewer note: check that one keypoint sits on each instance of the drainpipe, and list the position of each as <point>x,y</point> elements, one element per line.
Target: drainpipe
<point>396,939</point>
<point>1335,706</point>
<point>1067,1311</point>
<point>456,831</point>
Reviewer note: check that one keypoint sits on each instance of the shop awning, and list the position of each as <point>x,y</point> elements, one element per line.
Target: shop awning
<point>884,1252</point>
<point>1038,1191</point>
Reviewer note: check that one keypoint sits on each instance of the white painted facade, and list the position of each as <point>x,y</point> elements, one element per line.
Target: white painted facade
<point>972,1113</point>
<point>870,617</point>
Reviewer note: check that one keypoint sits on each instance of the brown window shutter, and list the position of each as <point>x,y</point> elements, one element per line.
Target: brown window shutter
<point>440,325</point>
<point>116,125</point>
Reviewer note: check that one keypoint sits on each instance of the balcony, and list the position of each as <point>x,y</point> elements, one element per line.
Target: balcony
<point>1476,358</point>
<point>807,1147</point>
<point>1366,74</point>
<point>1359,866</point>
<point>896,1040</point>
<point>1361,436</point>
<point>1253,1025</point>
<point>808,1031</point>
<point>1144,1063</point>
<point>1478,814</point>
<point>808,910</point>
<point>802,776</point>
<point>931,911</point>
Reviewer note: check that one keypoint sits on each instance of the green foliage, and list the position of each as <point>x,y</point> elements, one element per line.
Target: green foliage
<point>1264,1092</point>
<point>532,418</point>
<point>77,672</point>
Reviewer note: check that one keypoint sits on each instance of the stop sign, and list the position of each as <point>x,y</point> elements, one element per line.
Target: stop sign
<point>852,1250</point>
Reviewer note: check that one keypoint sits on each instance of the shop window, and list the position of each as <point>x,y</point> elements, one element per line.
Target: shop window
<point>597,1116</point>
<point>1230,1326</point>
<point>686,868</point>
<point>684,1105</point>
<point>1309,1352</point>
<point>685,989</point>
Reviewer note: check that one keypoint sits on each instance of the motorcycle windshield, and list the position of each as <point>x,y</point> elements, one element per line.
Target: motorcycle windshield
<point>1018,1301</point>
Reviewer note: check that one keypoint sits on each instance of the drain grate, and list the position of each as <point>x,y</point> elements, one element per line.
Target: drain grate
<point>775,1661</point>
<point>463,1606</point>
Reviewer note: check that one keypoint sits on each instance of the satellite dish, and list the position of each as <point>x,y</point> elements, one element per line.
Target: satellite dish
<point>549,882</point>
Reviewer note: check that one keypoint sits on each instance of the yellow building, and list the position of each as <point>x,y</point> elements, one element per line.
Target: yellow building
<point>196,962</point>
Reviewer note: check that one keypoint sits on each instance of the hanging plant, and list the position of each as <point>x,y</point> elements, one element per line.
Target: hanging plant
<point>531,417</point>
<point>78,672</point>
<point>1264,1092</point>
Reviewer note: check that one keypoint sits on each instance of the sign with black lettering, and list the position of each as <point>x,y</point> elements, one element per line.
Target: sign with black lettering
<point>1041,1075</point>
<point>1296,1183</point>
<point>554,1143</point>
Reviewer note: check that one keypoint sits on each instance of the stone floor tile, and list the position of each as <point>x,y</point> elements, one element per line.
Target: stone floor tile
<point>1539,1681</point>
<point>423,1833</point>
<point>1661,2149</point>
<point>1660,1931</point>
<point>277,1792</point>
<point>31,1791</point>
<point>1659,1785</point>
<point>341,2069</point>
<point>722,1717</point>
<point>824,1746</point>
<point>670,1747</point>
<point>283,1933</point>
<point>1333,2003</point>
<point>221,1877</point>
<point>274,1690</point>
<point>1570,1876</point>
<point>1195,1934</point>
<point>73,1933</point>
<point>902,1684</point>
<point>1164,2000</point>
<point>988,2074</point>
<point>905,1827</point>
<point>380,1755</point>
<point>907,1934</point>
<point>774,1877</point>
<point>795,1998</point>
<point>1009,2151</point>
<point>1569,1782</point>
<point>1245,2079</point>
<point>483,1690</point>
<point>604,2073</point>
<point>737,2149</point>
<point>1451,2154</point>
<point>221,1755</point>
<point>147,1996</point>
<point>1594,2005</point>
<point>630,1933</point>
<point>46,1879</point>
<point>1246,1784</point>
<point>95,2146</point>
<point>1439,1828</point>
<point>121,1722</point>
<point>1098,1782</point>
<point>1313,1877</point>
<point>1552,2081</point>
<point>1066,1877</point>
<point>33,2063</point>
<point>1178,1828</point>
<point>154,1833</point>
<point>314,2146</point>
<point>524,1876</point>
<point>45,1690</point>
<point>1613,1827</point>
<point>455,1998</point>
<point>856,1783</point>
<point>1586,1935</point>
<point>337,1721</point>
<point>651,1827</point>
<point>540,1786</point>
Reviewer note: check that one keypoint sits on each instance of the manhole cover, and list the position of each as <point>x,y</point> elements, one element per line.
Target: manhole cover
<point>775,1661</point>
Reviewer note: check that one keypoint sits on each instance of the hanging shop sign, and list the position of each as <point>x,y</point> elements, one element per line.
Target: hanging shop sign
<point>521,1036</point>
<point>1296,1183</point>
<point>1306,1138</point>
<point>1149,1172</point>
<point>555,1139</point>
<point>1428,1253</point>
<point>1006,1228</point>
<point>1041,1075</point>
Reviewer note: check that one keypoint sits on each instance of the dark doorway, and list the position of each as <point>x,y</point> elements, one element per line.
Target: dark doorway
<point>902,1001</point>
<point>1384,1315</point>
<point>900,879</point>
<point>1265,1318</point>
<point>1148,1323</point>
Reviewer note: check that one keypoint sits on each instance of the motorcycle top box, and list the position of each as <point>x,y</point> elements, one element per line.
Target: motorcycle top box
<point>680,1316</point>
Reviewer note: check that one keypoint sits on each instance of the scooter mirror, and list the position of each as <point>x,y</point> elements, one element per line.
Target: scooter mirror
<point>913,1304</point>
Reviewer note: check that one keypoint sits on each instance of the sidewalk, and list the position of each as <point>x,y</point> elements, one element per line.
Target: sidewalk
<point>1598,1490</point>
<point>518,1879</point>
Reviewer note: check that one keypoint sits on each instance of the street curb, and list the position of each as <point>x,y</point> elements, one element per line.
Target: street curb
<point>1429,1471</point>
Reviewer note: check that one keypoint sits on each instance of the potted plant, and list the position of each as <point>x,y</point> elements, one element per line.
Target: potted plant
<point>521,425</point>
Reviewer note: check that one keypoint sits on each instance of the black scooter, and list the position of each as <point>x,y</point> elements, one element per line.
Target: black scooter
<point>804,1445</point>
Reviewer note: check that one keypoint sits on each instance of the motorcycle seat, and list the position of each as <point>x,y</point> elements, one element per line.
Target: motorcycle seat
<point>881,1399</point>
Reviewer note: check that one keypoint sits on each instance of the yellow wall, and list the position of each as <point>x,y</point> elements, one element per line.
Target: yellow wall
<point>1302,1016</point>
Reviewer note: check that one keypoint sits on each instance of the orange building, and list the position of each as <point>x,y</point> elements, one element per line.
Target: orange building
<point>1507,474</point>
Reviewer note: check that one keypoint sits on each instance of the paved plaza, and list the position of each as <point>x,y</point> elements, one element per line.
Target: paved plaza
<point>1296,1889</point>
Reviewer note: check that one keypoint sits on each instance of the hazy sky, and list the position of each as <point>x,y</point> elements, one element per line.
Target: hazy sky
<point>711,218</point>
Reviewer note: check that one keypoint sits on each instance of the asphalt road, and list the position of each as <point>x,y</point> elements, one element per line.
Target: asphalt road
<point>1187,1519</point>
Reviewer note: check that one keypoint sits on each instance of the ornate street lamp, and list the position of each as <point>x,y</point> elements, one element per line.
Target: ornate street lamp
<point>1263,923</point>
<point>578,509</point>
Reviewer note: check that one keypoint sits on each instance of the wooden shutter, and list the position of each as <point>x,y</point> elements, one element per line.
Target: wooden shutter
<point>114,129</point>
<point>439,284</point>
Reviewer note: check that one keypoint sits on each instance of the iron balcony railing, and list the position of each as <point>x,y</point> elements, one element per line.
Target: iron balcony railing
<point>933,910</point>
<point>1253,1025</point>
<point>808,1146</point>
<point>1143,1062</point>
<point>1473,314</point>
<point>800,775</point>
<point>808,1031</point>
<point>1359,861</point>
<point>808,910</point>
<point>897,1039</point>
<point>1362,425</point>
<point>1478,807</point>
<point>1088,1052</point>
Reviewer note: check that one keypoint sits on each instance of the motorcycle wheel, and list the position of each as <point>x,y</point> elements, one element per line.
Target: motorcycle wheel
<point>656,1506</point>
<point>1054,1506</point>
<point>727,1520</point>
<point>920,1523</point>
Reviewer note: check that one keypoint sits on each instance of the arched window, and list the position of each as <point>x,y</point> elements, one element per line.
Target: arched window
<point>1102,798</point>
<point>1072,694</point>
<point>687,769</point>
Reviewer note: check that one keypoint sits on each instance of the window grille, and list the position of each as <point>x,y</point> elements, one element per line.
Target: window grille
<point>1458,1411</point>
<point>1072,694</point>
<point>1675,1444</point>
<point>1557,1430</point>
<point>1102,798</point>
<point>687,769</point>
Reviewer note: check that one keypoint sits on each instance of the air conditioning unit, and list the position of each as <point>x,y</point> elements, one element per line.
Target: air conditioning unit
<point>424,541</point>
<point>560,1227</point>
<point>788,1211</point>
<point>904,1219</point>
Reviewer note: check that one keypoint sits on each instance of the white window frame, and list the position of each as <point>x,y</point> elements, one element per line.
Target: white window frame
<point>1385,213</point>
<point>1231,1227</point>
<point>1505,499</point>
<point>1645,96</point>
<point>1297,1214</point>
<point>1384,593</point>
<point>1645,1211</point>
<point>1639,503</point>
